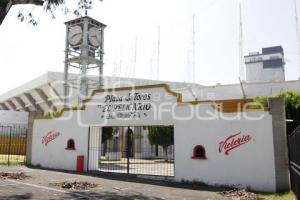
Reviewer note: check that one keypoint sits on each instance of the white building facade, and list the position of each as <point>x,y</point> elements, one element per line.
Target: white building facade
<point>267,66</point>
<point>237,144</point>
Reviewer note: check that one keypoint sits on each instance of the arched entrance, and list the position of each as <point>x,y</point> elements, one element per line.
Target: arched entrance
<point>136,150</point>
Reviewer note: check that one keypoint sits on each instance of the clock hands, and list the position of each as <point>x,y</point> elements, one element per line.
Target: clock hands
<point>93,34</point>
<point>75,35</point>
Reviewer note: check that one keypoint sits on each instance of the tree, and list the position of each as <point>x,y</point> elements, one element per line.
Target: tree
<point>48,5</point>
<point>292,108</point>
<point>5,6</point>
<point>107,134</point>
<point>162,136</point>
<point>262,100</point>
<point>52,113</point>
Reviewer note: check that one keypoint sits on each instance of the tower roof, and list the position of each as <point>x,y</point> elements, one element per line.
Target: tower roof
<point>79,19</point>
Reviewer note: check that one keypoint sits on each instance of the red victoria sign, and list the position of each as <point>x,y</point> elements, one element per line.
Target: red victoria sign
<point>233,142</point>
<point>50,136</point>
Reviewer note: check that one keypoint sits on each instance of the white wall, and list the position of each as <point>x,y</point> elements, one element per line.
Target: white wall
<point>251,164</point>
<point>234,91</point>
<point>54,155</point>
<point>256,73</point>
<point>8,117</point>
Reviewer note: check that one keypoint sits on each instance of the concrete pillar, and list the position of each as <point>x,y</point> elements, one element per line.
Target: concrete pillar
<point>277,110</point>
<point>31,116</point>
<point>137,140</point>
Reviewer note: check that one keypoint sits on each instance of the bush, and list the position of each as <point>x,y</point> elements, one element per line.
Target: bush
<point>52,113</point>
<point>292,108</point>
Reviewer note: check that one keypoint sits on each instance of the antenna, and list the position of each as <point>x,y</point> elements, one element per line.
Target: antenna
<point>241,50</point>
<point>115,69</point>
<point>194,51</point>
<point>151,67</point>
<point>297,34</point>
<point>135,56</point>
<point>120,62</point>
<point>158,52</point>
<point>242,88</point>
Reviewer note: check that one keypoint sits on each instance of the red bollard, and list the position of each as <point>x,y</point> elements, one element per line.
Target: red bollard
<point>80,164</point>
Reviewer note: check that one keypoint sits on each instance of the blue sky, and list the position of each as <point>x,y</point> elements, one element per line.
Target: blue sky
<point>27,52</point>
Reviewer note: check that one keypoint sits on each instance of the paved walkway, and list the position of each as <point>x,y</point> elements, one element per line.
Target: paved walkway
<point>38,187</point>
<point>157,169</point>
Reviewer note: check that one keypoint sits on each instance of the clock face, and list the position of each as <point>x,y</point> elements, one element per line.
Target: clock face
<point>95,36</point>
<point>75,35</point>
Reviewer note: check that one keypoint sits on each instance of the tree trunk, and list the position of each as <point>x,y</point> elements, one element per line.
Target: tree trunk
<point>2,14</point>
<point>34,2</point>
<point>166,153</point>
<point>156,150</point>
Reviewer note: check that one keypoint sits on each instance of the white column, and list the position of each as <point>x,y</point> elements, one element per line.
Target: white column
<point>94,147</point>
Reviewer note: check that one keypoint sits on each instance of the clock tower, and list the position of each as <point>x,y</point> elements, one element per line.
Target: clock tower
<point>83,52</point>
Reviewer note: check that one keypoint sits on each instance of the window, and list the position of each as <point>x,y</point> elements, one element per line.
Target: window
<point>70,145</point>
<point>199,152</point>
<point>273,63</point>
<point>259,58</point>
<point>274,57</point>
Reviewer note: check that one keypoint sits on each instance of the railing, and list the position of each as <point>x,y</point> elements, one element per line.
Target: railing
<point>294,154</point>
<point>13,145</point>
<point>130,152</point>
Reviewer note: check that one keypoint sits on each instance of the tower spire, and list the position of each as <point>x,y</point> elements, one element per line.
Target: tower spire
<point>135,55</point>
<point>158,52</point>
<point>241,47</point>
<point>297,34</point>
<point>194,51</point>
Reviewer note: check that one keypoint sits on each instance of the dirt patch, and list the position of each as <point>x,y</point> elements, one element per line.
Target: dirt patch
<point>240,194</point>
<point>76,185</point>
<point>16,176</point>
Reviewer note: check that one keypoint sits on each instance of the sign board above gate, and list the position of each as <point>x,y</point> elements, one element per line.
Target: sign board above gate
<point>130,106</point>
<point>150,104</point>
<point>147,105</point>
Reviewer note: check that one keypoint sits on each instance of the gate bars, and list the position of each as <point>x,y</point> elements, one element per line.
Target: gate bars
<point>130,152</point>
<point>294,154</point>
<point>13,145</point>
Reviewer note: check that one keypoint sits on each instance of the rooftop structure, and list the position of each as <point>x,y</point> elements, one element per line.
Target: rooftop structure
<point>267,66</point>
<point>46,92</point>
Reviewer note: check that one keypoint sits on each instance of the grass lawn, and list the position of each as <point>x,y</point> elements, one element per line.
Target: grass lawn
<point>277,196</point>
<point>13,159</point>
